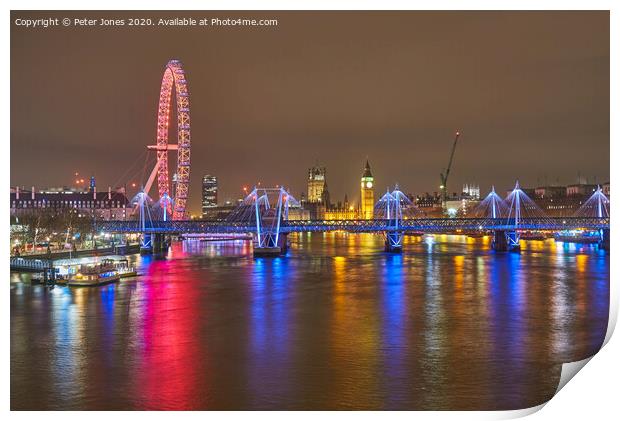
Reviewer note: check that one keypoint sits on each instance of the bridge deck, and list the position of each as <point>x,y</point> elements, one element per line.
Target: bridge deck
<point>427,225</point>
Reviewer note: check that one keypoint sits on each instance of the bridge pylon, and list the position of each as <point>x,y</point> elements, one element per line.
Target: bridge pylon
<point>519,208</point>
<point>144,217</point>
<point>597,206</point>
<point>509,239</point>
<point>266,209</point>
<point>493,209</point>
<point>391,207</point>
<point>150,242</point>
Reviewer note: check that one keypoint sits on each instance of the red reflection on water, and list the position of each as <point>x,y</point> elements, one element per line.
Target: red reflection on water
<point>172,359</point>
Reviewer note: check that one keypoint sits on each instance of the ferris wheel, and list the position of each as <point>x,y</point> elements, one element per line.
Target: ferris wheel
<point>172,200</point>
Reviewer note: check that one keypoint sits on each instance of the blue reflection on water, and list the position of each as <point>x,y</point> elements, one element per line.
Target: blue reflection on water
<point>269,301</point>
<point>107,294</point>
<point>269,335</point>
<point>393,298</point>
<point>258,331</point>
<point>394,329</point>
<point>279,305</point>
<point>508,311</point>
<point>107,301</point>
<point>66,334</point>
<point>599,271</point>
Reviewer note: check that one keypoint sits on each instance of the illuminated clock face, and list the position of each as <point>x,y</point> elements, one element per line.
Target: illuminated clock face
<point>369,184</point>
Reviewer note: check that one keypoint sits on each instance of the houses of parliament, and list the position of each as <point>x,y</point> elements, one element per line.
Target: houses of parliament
<point>320,206</point>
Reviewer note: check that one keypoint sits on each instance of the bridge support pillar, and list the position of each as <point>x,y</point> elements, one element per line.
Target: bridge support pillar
<point>283,242</point>
<point>267,251</point>
<point>506,241</point>
<point>146,244</point>
<point>153,243</point>
<point>159,243</point>
<point>120,249</point>
<point>603,243</point>
<point>394,242</point>
<point>267,246</point>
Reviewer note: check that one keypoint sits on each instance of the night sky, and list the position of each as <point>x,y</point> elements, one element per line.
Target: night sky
<point>528,90</point>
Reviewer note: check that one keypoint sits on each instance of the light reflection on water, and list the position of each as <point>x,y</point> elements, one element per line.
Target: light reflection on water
<point>336,324</point>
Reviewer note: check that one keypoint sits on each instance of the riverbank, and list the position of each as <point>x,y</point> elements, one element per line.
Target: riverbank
<point>103,251</point>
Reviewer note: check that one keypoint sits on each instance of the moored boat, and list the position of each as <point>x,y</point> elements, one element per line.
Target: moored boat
<point>122,266</point>
<point>94,275</point>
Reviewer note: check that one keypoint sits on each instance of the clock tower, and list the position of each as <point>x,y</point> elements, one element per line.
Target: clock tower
<point>367,200</point>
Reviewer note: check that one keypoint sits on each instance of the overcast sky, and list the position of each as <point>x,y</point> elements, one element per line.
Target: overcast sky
<point>528,90</point>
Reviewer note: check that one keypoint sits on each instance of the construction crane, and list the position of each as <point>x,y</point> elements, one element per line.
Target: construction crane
<point>444,176</point>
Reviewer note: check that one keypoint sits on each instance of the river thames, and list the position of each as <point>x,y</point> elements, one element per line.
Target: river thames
<point>336,324</point>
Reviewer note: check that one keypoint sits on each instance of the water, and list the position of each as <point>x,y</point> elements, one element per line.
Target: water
<point>337,324</point>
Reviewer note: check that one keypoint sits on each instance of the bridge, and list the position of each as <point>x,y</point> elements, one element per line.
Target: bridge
<point>265,213</point>
<point>426,225</point>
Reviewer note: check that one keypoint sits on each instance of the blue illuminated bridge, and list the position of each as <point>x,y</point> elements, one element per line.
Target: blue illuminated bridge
<point>421,225</point>
<point>269,215</point>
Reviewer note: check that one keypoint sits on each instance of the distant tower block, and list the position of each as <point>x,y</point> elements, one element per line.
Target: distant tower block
<point>367,198</point>
<point>316,184</point>
<point>209,193</point>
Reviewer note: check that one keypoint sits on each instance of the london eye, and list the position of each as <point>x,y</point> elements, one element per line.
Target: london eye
<point>172,196</point>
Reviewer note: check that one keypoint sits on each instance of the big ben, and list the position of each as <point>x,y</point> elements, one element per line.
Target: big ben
<point>368,194</point>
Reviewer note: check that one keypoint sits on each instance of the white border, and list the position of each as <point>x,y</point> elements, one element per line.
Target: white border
<point>592,395</point>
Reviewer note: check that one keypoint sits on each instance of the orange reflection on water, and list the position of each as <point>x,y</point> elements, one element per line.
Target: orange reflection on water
<point>355,328</point>
<point>458,271</point>
<point>581,261</point>
<point>581,266</point>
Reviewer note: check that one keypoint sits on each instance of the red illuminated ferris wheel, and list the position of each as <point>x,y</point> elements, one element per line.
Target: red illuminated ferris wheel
<point>173,202</point>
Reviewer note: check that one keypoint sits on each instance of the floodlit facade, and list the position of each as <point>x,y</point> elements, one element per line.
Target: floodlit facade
<point>316,184</point>
<point>110,205</point>
<point>367,197</point>
<point>472,191</point>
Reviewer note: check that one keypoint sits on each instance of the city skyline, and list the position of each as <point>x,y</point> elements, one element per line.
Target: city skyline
<point>353,196</point>
<point>264,109</point>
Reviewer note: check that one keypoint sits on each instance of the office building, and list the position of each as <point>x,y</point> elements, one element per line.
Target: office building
<point>209,193</point>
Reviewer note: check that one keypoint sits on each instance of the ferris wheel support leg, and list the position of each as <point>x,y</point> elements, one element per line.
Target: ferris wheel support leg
<point>151,179</point>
